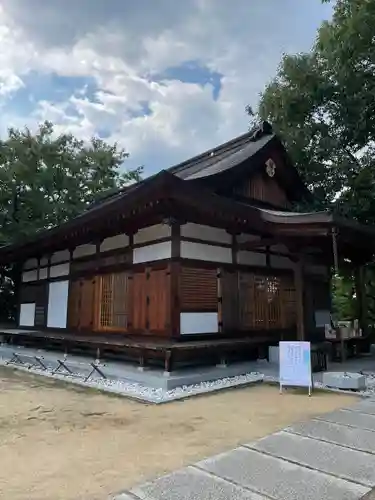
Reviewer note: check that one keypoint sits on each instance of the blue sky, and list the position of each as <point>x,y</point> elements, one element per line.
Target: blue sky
<point>164,79</point>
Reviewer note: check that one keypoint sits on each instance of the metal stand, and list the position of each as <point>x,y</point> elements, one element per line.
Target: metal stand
<point>95,368</point>
<point>15,360</point>
<point>40,362</point>
<point>62,365</point>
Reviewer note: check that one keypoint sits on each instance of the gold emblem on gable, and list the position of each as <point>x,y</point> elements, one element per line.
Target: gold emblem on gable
<point>270,167</point>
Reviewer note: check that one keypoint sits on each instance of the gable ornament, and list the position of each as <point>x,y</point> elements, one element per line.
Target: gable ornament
<point>270,167</point>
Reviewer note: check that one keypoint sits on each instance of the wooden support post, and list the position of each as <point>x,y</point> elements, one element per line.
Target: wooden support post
<point>168,361</point>
<point>336,273</point>
<point>335,251</point>
<point>141,365</point>
<point>174,283</point>
<point>360,289</point>
<point>298,283</point>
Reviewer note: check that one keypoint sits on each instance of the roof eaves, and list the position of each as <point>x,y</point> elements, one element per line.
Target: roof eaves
<point>159,180</point>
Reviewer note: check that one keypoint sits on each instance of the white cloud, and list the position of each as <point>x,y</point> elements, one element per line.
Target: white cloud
<point>125,45</point>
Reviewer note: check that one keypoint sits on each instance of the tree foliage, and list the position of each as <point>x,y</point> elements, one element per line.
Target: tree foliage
<point>47,179</point>
<point>322,104</point>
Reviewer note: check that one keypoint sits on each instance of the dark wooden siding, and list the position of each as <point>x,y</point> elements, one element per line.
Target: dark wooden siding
<point>41,304</point>
<point>229,304</point>
<point>263,188</point>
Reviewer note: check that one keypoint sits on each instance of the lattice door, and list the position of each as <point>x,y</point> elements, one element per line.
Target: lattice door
<point>114,301</point>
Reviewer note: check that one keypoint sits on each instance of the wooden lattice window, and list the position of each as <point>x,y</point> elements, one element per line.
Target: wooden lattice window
<point>266,302</point>
<point>199,289</point>
<point>114,301</point>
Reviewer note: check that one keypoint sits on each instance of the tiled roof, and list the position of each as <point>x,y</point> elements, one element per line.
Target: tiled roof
<point>224,156</point>
<point>210,162</point>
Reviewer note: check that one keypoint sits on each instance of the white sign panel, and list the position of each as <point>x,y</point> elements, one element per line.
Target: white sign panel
<point>295,364</point>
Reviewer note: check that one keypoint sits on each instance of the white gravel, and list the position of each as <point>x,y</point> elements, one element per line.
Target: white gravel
<point>145,393</point>
<point>142,392</point>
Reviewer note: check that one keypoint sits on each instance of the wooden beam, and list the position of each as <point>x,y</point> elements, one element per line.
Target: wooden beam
<point>262,242</point>
<point>301,231</point>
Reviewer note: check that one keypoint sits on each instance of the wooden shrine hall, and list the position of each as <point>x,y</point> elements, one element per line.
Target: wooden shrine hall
<point>200,263</point>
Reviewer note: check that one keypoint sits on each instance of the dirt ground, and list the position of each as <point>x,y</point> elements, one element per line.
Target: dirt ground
<point>61,442</point>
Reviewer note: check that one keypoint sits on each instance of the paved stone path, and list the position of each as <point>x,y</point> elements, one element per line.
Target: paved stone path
<point>331,457</point>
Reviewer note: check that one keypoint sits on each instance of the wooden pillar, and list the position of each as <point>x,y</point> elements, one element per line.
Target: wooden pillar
<point>300,306</point>
<point>360,289</point>
<point>336,273</point>
<point>335,251</point>
<point>175,270</point>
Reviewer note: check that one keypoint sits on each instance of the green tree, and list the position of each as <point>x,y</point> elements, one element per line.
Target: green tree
<point>322,104</point>
<point>47,179</point>
<point>344,303</point>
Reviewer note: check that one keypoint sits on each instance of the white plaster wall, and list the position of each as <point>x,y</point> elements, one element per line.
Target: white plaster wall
<point>29,264</point>
<point>207,233</point>
<point>149,253</point>
<point>57,304</point>
<point>30,276</point>
<point>118,241</point>
<point>152,233</point>
<point>61,256</point>
<point>191,323</point>
<point>43,273</point>
<point>27,314</point>
<point>59,270</point>
<point>200,251</point>
<point>280,262</point>
<point>84,250</point>
<point>251,258</point>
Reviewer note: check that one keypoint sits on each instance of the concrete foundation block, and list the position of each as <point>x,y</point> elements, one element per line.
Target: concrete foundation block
<point>345,380</point>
